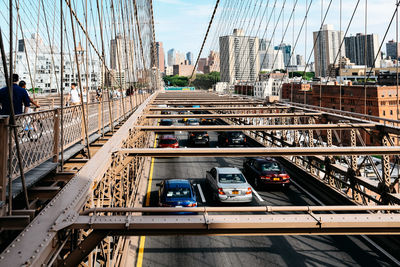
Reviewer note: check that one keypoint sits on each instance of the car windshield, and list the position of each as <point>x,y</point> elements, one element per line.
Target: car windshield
<point>166,122</point>
<point>231,178</point>
<point>178,192</point>
<point>192,120</point>
<point>167,141</point>
<point>270,167</point>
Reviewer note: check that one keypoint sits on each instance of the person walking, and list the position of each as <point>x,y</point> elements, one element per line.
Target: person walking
<point>22,84</point>
<point>20,98</point>
<point>74,97</point>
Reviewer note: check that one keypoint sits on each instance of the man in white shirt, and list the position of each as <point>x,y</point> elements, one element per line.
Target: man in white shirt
<point>74,97</point>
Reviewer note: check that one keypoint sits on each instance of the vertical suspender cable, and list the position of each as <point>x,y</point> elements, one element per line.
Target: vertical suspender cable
<point>79,79</point>
<point>365,59</point>
<point>340,56</point>
<point>61,86</point>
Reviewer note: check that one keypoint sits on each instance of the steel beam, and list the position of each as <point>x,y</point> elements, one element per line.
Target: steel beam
<point>244,209</point>
<point>84,248</point>
<point>252,107</point>
<point>260,224</point>
<point>263,152</point>
<point>220,128</point>
<point>239,115</point>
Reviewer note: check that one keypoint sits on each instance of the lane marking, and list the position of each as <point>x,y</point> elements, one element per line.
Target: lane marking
<point>257,195</point>
<point>203,199</point>
<point>139,261</point>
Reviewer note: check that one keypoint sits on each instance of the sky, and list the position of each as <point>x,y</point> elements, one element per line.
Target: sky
<point>181,24</point>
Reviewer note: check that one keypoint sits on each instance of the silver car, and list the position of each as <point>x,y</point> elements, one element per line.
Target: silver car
<point>193,122</point>
<point>229,185</point>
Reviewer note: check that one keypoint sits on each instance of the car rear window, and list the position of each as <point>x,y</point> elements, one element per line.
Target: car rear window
<point>167,141</point>
<point>270,166</point>
<point>178,192</point>
<point>236,134</point>
<point>231,178</point>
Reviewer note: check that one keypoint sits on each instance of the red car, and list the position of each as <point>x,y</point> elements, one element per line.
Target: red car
<point>266,171</point>
<point>168,141</point>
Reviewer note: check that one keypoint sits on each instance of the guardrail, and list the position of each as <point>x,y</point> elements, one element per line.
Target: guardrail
<point>39,132</point>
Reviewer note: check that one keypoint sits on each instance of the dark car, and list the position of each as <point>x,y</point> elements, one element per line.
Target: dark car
<point>176,193</point>
<point>265,171</point>
<point>168,141</point>
<point>232,139</point>
<point>207,121</point>
<point>198,138</point>
<point>166,122</point>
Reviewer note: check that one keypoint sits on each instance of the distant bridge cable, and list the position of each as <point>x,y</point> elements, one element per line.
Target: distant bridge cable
<point>205,38</point>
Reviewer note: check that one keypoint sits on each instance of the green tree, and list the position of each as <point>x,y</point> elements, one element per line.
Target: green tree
<point>206,81</point>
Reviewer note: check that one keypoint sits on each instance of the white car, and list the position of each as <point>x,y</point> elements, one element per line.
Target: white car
<point>228,184</point>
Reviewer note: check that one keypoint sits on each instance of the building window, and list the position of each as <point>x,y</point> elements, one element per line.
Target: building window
<point>352,109</point>
<point>391,112</point>
<point>383,113</point>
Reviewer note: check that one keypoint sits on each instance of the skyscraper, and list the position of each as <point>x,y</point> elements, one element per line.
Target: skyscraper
<point>327,44</point>
<point>355,49</point>
<point>189,57</point>
<point>160,56</point>
<point>286,51</point>
<point>300,60</point>
<point>393,49</point>
<point>171,57</point>
<point>239,59</point>
<point>121,57</point>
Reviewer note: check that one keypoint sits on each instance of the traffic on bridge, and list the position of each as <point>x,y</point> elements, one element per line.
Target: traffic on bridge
<point>251,155</point>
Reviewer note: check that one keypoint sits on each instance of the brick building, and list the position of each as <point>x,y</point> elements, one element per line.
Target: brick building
<point>380,100</point>
<point>300,92</point>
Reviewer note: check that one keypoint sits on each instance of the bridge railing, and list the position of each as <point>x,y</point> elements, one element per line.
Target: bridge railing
<point>39,132</point>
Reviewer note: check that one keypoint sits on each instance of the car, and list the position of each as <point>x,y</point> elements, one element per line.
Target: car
<point>234,138</point>
<point>192,122</point>
<point>198,138</point>
<point>176,193</point>
<point>186,113</point>
<point>228,185</point>
<point>265,171</point>
<point>168,140</point>
<point>207,121</point>
<point>166,122</point>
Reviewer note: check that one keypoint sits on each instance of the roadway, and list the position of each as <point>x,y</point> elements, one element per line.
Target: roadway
<point>245,250</point>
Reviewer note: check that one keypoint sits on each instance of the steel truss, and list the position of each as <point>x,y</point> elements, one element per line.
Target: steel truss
<point>94,209</point>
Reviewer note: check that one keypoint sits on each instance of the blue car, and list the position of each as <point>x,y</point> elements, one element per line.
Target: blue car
<point>176,193</point>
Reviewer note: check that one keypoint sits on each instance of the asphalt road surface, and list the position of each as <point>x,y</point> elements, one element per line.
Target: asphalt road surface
<point>250,251</point>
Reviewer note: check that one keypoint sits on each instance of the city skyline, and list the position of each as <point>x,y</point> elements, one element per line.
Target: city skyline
<point>196,15</point>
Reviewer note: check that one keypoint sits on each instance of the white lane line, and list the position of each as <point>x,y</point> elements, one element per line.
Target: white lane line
<point>203,199</point>
<point>257,195</point>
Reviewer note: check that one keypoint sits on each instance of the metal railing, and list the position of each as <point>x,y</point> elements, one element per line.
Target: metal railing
<point>37,130</point>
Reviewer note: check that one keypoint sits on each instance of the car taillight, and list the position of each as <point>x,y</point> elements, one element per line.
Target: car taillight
<point>192,135</point>
<point>220,191</point>
<point>265,177</point>
<point>206,135</point>
<point>284,176</point>
<point>226,140</point>
<point>248,192</point>
<point>192,205</point>
<point>245,140</point>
